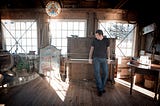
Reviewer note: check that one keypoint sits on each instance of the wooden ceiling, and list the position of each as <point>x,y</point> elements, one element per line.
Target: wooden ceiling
<point>118,4</point>
<point>143,7</point>
<point>64,3</point>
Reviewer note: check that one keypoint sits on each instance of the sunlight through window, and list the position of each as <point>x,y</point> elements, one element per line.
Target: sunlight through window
<point>124,34</point>
<point>63,28</point>
<point>135,87</point>
<point>20,36</point>
<point>58,85</point>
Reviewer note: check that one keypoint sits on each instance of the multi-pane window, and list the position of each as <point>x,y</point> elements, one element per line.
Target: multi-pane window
<point>61,29</point>
<point>124,34</point>
<point>20,36</point>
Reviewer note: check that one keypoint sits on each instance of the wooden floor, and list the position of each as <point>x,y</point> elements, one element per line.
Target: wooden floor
<point>79,93</point>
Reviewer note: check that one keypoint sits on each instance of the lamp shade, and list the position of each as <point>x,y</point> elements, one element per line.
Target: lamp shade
<point>53,8</point>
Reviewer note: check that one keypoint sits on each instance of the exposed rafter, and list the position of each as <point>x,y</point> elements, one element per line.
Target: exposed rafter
<point>120,4</point>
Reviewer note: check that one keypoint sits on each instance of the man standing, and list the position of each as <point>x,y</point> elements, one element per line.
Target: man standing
<point>98,54</point>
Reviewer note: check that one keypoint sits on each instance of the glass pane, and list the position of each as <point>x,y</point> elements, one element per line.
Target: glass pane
<point>59,32</point>
<point>64,25</point>
<point>70,33</point>
<point>70,25</point>
<point>28,49</point>
<point>34,48</point>
<point>13,49</point>
<point>8,48</point>
<point>53,42</point>
<point>52,25</point>
<point>81,26</point>
<point>29,41</point>
<point>59,42</point>
<point>64,50</point>
<point>34,42</point>
<point>28,25</point>
<point>129,44</point>
<point>24,42</point>
<point>29,34</point>
<point>24,36</point>
<point>7,40</point>
<point>64,34</point>
<point>13,42</point>
<point>34,26</point>
<point>18,34</point>
<point>81,34</point>
<point>34,34</point>
<point>11,26</point>
<point>58,25</point>
<point>75,33</point>
<point>23,26</point>
<point>12,33</point>
<point>20,50</point>
<point>18,27</point>
<point>54,33</point>
<point>76,26</point>
<point>64,42</point>
<point>23,32</point>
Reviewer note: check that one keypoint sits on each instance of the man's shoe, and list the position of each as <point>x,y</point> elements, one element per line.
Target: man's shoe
<point>100,93</point>
<point>103,91</point>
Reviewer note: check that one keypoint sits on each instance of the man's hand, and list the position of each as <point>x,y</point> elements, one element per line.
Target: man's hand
<point>90,61</point>
<point>108,60</point>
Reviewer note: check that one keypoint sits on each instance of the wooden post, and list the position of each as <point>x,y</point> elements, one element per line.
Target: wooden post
<point>0,33</point>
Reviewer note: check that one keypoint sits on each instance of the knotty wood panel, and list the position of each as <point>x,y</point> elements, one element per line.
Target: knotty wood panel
<point>78,47</point>
<point>81,71</point>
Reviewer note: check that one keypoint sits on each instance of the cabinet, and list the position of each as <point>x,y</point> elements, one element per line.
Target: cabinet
<point>50,61</point>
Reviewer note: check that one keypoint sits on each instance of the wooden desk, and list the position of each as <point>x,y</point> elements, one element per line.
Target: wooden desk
<point>146,70</point>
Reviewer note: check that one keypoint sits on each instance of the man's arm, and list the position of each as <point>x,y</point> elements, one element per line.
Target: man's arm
<point>90,54</point>
<point>108,52</point>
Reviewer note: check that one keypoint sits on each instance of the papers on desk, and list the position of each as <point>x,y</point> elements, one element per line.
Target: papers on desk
<point>145,60</point>
<point>144,66</point>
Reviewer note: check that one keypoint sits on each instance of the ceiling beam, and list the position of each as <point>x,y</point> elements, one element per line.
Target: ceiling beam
<point>120,4</point>
<point>42,3</point>
<point>60,2</point>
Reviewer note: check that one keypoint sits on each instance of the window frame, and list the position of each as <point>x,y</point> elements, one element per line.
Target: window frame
<point>131,48</point>
<point>69,28</point>
<point>22,32</point>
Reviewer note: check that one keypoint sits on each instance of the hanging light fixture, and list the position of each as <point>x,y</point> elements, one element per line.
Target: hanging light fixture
<point>53,8</point>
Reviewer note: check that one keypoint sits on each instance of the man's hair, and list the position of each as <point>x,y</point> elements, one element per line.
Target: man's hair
<point>99,32</point>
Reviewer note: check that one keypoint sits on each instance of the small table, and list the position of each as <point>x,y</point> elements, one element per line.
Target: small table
<point>152,69</point>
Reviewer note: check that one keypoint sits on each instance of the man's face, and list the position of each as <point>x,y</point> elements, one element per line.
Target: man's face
<point>97,35</point>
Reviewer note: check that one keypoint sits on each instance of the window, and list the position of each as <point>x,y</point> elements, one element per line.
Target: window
<point>61,29</point>
<point>20,35</point>
<point>124,34</point>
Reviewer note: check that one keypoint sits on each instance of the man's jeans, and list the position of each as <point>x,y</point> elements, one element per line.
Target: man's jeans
<point>101,78</point>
